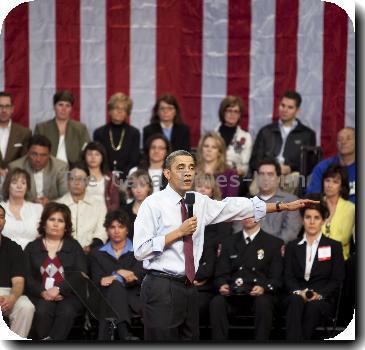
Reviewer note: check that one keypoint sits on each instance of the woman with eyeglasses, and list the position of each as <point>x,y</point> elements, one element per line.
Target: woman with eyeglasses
<point>238,141</point>
<point>340,224</point>
<point>166,119</point>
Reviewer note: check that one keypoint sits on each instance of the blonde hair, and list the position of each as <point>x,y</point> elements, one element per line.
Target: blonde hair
<point>208,180</point>
<point>221,161</point>
<point>119,97</point>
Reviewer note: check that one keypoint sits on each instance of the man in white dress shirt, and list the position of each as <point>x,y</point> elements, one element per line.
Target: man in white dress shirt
<point>161,239</point>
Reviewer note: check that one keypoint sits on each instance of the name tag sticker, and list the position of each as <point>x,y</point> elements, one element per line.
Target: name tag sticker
<point>49,283</point>
<point>324,253</point>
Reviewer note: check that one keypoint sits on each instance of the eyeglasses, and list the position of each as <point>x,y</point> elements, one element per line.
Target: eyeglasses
<point>78,179</point>
<point>232,111</point>
<point>5,106</point>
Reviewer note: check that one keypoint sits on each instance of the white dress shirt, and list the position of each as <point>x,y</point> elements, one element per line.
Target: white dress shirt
<point>160,214</point>
<point>252,236</point>
<point>4,138</point>
<point>88,218</point>
<point>61,150</point>
<point>96,189</point>
<point>310,254</point>
<point>38,179</point>
<point>25,230</point>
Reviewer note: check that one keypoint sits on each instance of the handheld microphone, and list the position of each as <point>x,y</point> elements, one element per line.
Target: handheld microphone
<point>190,200</point>
<point>309,293</point>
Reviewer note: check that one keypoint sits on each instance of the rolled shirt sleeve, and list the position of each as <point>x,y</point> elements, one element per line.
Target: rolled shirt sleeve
<point>259,208</point>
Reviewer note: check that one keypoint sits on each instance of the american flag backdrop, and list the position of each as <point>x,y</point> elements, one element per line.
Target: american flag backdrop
<point>198,50</point>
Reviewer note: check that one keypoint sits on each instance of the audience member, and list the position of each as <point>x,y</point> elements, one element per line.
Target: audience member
<point>340,224</point>
<point>118,274</point>
<point>214,234</point>
<point>344,157</point>
<point>156,150</point>
<point>87,214</point>
<point>14,138</point>
<point>166,119</point>
<point>314,270</point>
<point>120,139</point>
<point>248,275</point>
<point>47,173</point>
<point>68,137</point>
<point>102,185</point>
<point>13,303</point>
<point>285,225</point>
<point>47,258</point>
<point>211,159</point>
<point>22,217</point>
<point>139,187</point>
<point>238,142</point>
<point>283,140</point>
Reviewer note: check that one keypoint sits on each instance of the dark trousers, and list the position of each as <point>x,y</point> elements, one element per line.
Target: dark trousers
<point>204,300</point>
<point>221,307</point>
<point>302,318</point>
<point>170,310</point>
<point>123,303</point>
<point>55,318</point>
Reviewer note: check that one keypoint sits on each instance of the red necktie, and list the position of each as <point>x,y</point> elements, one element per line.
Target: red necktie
<point>188,248</point>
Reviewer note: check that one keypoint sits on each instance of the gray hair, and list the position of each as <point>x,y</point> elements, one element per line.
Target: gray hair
<point>171,157</point>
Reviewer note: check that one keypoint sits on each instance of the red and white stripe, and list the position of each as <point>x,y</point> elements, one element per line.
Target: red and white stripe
<point>198,50</point>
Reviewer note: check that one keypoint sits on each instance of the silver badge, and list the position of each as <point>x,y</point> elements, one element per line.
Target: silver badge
<point>260,254</point>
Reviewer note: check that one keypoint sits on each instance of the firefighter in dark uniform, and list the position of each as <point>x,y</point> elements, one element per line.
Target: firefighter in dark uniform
<point>248,274</point>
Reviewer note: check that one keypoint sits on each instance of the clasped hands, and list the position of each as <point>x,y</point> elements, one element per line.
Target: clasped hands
<point>52,294</point>
<point>255,291</point>
<point>128,276</point>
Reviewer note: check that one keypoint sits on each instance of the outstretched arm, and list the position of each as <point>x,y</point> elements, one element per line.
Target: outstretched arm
<point>291,206</point>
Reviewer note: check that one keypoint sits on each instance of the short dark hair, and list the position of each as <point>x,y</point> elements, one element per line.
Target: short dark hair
<point>117,215</point>
<point>171,157</point>
<point>171,100</point>
<point>230,101</point>
<point>270,161</point>
<point>80,165</point>
<point>293,95</point>
<point>96,146</point>
<point>63,95</point>
<point>321,207</point>
<point>40,140</point>
<point>51,208</point>
<point>7,94</point>
<point>336,170</point>
<point>14,173</point>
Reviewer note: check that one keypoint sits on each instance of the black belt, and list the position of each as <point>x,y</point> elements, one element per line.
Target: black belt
<point>181,279</point>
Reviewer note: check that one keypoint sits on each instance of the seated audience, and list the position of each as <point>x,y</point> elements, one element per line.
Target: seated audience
<point>247,275</point>
<point>47,174</point>
<point>121,140</point>
<point>102,186</point>
<point>314,270</point>
<point>213,236</point>
<point>22,217</point>
<point>340,223</point>
<point>283,140</point>
<point>238,142</point>
<point>285,224</point>
<point>13,303</point>
<point>139,187</point>
<point>14,137</point>
<point>155,153</point>
<point>211,159</point>
<point>345,158</point>
<point>47,258</point>
<point>87,214</point>
<point>118,274</point>
<point>68,137</point>
<point>166,119</point>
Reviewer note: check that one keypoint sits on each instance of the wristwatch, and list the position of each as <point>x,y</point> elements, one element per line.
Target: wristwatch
<point>278,206</point>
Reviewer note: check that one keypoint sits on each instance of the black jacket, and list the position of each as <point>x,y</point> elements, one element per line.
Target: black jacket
<point>259,263</point>
<point>326,276</point>
<point>180,135</point>
<point>128,156</point>
<point>268,144</point>
<point>72,259</point>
